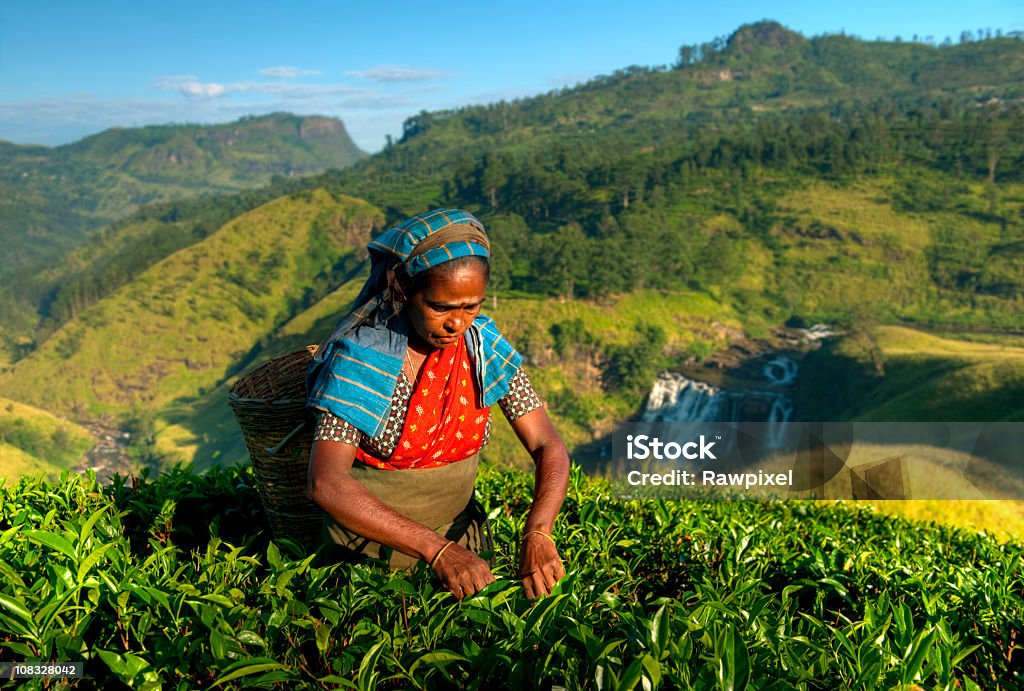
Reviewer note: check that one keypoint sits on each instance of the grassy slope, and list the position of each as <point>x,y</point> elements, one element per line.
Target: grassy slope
<point>928,377</point>
<point>15,463</point>
<point>52,200</point>
<point>45,442</point>
<point>874,251</point>
<point>203,430</point>
<point>181,325</point>
<point>981,382</point>
<point>925,377</point>
<point>850,250</point>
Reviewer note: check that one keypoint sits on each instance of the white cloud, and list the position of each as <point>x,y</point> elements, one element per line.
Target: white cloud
<point>203,90</point>
<point>398,73</point>
<point>287,72</point>
<point>191,87</point>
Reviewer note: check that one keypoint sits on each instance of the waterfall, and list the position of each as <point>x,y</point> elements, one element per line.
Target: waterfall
<point>677,398</point>
<point>674,398</point>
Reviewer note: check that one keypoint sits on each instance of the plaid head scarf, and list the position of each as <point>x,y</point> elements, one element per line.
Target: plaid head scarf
<point>355,370</point>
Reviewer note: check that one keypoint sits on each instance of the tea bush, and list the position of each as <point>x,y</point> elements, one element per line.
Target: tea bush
<point>172,582</point>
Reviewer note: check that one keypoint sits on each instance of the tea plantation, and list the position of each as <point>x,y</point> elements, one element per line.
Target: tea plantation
<point>172,582</point>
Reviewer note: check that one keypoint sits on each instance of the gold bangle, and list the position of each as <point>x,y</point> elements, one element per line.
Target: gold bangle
<point>440,552</point>
<point>540,532</point>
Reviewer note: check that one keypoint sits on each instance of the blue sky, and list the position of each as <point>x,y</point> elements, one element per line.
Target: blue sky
<point>69,69</point>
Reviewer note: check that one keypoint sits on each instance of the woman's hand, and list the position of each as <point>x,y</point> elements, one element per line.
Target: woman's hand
<point>462,571</point>
<point>540,566</point>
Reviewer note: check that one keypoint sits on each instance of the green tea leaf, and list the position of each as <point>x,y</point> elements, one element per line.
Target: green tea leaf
<point>438,657</point>
<point>17,607</point>
<point>90,561</point>
<point>367,678</point>
<point>274,556</point>
<point>51,540</point>
<point>244,668</point>
<point>631,676</point>
<point>86,532</point>
<point>653,669</point>
<point>916,655</point>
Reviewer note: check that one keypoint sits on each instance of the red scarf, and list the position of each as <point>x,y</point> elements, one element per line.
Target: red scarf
<point>443,423</point>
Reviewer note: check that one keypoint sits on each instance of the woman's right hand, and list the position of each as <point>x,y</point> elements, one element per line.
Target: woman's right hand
<point>461,571</point>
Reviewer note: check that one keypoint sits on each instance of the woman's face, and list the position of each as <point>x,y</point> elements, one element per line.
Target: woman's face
<point>444,309</point>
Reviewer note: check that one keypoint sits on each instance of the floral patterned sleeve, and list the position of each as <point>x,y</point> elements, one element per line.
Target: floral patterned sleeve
<point>331,428</point>
<point>521,398</point>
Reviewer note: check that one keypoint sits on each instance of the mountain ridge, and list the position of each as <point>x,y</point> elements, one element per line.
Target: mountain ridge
<point>53,197</point>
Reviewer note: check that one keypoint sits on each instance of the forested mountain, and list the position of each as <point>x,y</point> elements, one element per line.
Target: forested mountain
<point>742,170</point>
<point>672,177</point>
<point>729,129</point>
<point>51,198</point>
<point>764,96</point>
<point>54,200</point>
<point>573,178</point>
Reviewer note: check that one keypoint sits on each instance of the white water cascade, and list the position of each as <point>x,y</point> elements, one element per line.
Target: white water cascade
<point>676,398</point>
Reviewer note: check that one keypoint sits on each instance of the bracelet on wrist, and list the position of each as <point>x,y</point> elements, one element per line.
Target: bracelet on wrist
<point>440,552</point>
<point>540,532</point>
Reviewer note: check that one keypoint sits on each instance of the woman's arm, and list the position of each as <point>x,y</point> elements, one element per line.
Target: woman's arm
<point>333,488</point>
<point>540,565</point>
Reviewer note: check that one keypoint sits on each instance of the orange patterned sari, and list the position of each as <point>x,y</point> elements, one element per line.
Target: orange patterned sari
<point>443,423</point>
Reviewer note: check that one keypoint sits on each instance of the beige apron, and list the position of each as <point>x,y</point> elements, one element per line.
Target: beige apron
<point>440,498</point>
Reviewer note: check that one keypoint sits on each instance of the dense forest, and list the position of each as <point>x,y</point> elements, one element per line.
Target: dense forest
<point>604,188</point>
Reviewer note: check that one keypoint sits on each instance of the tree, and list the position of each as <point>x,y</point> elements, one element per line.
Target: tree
<point>631,368</point>
<point>565,260</point>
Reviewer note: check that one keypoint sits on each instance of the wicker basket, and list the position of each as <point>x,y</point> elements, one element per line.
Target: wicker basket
<point>270,406</point>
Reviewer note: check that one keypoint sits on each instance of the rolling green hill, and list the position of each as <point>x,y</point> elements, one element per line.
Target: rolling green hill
<point>34,441</point>
<point>829,104</point>
<point>176,328</point>
<point>864,196</point>
<point>52,198</point>
<point>815,178</point>
<point>916,376</point>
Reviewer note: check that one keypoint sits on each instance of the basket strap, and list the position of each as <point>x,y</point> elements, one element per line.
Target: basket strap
<point>274,450</point>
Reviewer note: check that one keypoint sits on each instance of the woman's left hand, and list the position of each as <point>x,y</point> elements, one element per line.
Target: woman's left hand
<point>540,566</point>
